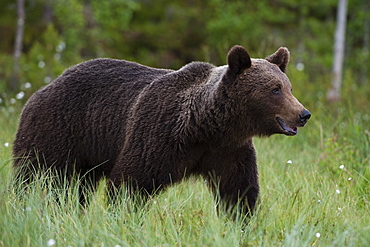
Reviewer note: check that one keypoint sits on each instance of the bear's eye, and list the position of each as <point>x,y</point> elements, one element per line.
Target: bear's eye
<point>276,90</point>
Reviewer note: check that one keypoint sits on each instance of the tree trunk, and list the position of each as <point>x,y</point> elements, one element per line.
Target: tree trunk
<point>47,15</point>
<point>334,94</point>
<point>365,48</point>
<point>18,45</point>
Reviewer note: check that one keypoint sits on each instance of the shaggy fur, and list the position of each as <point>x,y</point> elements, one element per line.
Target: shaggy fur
<point>154,127</point>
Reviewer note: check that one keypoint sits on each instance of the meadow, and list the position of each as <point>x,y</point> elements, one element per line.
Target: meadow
<point>315,187</point>
<point>314,192</point>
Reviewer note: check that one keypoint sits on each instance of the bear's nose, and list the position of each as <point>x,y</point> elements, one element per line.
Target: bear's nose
<point>304,116</point>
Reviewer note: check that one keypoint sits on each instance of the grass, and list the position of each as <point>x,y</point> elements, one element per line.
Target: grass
<point>319,198</point>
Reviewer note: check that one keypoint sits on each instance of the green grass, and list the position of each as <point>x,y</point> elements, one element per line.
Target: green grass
<point>308,202</point>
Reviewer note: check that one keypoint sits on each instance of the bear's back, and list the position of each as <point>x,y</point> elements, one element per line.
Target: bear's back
<point>82,113</point>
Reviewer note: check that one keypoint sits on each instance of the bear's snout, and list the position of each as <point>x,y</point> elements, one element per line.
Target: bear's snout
<point>289,126</point>
<point>304,116</point>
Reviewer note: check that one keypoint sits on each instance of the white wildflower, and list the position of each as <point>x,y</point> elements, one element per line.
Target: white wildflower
<point>57,56</point>
<point>27,85</point>
<point>60,47</point>
<point>6,144</point>
<point>289,162</point>
<point>41,64</point>
<point>51,242</point>
<point>349,179</point>
<point>47,80</point>
<point>318,234</point>
<point>300,66</point>
<point>341,167</point>
<point>20,95</point>
<point>12,101</point>
<point>337,191</point>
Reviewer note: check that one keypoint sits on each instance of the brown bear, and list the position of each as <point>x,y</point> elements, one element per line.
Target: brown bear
<point>154,127</point>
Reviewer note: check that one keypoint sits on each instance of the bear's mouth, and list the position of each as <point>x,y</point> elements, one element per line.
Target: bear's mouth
<point>287,129</point>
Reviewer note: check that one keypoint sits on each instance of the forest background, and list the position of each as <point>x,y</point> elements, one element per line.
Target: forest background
<point>314,187</point>
<point>163,33</point>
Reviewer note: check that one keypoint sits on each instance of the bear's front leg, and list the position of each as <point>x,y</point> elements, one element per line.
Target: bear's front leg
<point>236,177</point>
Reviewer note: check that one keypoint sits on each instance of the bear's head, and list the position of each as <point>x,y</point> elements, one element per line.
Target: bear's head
<point>262,93</point>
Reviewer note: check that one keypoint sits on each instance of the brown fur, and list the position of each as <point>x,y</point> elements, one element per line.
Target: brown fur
<point>154,127</point>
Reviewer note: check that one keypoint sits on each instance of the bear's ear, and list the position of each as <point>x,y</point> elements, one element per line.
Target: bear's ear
<point>280,58</point>
<point>238,60</point>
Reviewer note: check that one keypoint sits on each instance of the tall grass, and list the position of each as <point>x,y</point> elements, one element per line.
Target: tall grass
<point>314,192</point>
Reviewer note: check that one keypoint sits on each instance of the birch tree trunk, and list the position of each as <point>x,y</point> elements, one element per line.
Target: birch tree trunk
<point>18,44</point>
<point>365,48</point>
<point>334,93</point>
